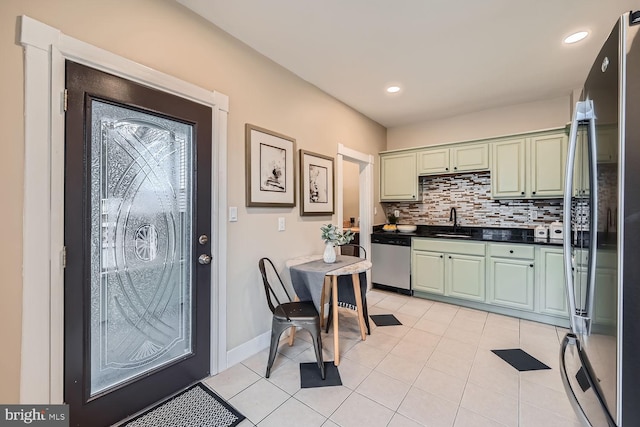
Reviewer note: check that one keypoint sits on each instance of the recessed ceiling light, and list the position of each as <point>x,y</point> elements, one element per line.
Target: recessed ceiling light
<point>576,37</point>
<point>393,89</point>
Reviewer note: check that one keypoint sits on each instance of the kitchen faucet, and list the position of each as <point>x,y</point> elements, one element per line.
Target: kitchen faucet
<point>453,216</point>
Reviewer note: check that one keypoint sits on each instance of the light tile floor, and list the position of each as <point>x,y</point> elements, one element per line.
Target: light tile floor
<point>436,369</point>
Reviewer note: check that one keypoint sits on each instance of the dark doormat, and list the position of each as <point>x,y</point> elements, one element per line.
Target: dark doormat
<point>520,359</point>
<point>385,320</point>
<point>310,375</point>
<point>196,406</point>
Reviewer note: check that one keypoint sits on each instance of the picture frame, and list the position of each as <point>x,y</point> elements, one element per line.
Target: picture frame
<point>270,168</point>
<point>317,187</point>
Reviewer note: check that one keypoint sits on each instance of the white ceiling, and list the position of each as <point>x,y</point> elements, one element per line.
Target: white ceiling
<point>449,56</point>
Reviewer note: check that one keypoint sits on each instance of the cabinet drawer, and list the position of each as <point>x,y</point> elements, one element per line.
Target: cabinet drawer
<point>512,251</point>
<point>448,246</point>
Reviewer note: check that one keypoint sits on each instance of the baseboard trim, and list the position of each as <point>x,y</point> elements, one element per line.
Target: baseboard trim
<point>248,349</point>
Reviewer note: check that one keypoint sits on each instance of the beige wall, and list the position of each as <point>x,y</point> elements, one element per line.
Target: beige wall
<point>165,36</point>
<point>513,119</point>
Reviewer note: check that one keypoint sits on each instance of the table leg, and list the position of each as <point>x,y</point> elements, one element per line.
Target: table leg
<point>355,278</point>
<point>325,284</point>
<point>336,340</point>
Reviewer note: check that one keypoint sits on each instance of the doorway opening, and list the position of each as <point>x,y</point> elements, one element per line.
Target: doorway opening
<point>364,164</point>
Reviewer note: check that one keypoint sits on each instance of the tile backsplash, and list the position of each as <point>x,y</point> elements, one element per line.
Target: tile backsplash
<point>470,194</point>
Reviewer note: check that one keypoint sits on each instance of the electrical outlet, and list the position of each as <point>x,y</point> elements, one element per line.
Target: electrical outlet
<point>281,224</point>
<point>534,214</point>
<point>396,213</point>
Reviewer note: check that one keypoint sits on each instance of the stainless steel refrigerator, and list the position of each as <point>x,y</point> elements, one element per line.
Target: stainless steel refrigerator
<point>600,357</point>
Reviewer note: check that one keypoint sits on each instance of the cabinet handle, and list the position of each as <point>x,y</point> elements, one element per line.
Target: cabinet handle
<point>530,265</point>
<point>455,168</point>
<point>511,251</point>
<point>449,256</point>
<point>441,256</point>
<point>446,169</point>
<point>533,192</point>
<point>522,193</point>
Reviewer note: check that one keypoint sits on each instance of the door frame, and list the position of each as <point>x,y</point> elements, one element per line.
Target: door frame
<point>365,203</point>
<point>45,51</point>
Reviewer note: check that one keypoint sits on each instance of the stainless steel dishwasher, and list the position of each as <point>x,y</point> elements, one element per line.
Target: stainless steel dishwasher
<point>391,262</point>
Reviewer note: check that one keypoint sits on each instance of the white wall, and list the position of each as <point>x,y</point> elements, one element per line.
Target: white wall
<point>551,113</point>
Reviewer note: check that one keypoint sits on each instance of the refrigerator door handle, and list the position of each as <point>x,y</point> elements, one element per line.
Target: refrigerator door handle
<point>580,322</point>
<point>573,399</point>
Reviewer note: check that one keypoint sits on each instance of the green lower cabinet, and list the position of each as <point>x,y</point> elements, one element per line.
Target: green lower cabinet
<point>552,294</point>
<point>511,283</point>
<point>427,271</point>
<point>465,276</point>
<point>606,297</point>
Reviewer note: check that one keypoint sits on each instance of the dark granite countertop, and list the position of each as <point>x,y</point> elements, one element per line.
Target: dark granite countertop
<point>484,234</point>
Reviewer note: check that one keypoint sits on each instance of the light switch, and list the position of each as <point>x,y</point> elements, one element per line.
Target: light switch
<point>281,223</point>
<point>233,214</point>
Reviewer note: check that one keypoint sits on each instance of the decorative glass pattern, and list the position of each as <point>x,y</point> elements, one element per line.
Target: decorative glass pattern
<point>141,243</point>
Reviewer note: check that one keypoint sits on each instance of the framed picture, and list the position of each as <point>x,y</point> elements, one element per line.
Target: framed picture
<point>316,184</point>
<point>270,169</point>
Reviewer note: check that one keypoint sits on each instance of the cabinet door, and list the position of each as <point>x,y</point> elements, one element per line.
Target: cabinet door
<point>398,177</point>
<point>465,276</point>
<point>427,272</point>
<point>511,283</point>
<point>508,169</point>
<point>607,144</point>
<point>470,157</point>
<point>548,156</point>
<point>433,161</point>
<point>551,283</point>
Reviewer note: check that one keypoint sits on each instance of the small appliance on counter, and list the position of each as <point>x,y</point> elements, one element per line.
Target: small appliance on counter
<point>541,233</point>
<point>556,232</point>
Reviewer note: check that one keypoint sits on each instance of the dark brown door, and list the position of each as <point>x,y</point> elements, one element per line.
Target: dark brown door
<point>137,237</point>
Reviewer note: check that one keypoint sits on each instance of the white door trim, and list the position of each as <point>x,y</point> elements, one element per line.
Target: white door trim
<point>46,49</point>
<point>365,163</point>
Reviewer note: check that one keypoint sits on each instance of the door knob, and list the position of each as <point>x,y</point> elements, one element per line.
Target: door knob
<point>203,239</point>
<point>204,259</point>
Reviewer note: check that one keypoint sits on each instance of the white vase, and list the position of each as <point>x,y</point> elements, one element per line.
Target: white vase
<point>329,255</point>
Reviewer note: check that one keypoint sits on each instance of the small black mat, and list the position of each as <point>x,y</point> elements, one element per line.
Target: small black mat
<point>520,359</point>
<point>310,375</point>
<point>385,320</point>
<point>196,406</point>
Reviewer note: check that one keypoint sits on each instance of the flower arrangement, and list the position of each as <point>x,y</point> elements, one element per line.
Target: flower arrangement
<point>330,234</point>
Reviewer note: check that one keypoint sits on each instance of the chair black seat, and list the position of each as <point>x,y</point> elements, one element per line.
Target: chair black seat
<point>300,310</point>
<point>288,314</point>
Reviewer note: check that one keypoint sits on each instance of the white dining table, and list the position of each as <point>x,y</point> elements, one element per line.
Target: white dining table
<point>354,267</point>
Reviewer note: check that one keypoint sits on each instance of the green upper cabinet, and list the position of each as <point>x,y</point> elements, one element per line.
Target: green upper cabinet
<point>433,161</point>
<point>508,169</point>
<point>529,167</point>
<point>468,158</point>
<point>548,156</point>
<point>458,158</point>
<point>398,177</point>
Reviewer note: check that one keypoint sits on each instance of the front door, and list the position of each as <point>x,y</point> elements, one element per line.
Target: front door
<point>137,237</point>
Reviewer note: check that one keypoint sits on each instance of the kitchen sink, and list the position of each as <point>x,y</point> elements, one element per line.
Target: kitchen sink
<point>453,235</point>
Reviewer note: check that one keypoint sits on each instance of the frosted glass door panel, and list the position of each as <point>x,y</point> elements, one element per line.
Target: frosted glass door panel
<point>141,243</point>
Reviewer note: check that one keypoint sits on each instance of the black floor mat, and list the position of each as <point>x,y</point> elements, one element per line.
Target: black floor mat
<point>196,406</point>
<point>310,375</point>
<point>385,320</point>
<point>520,359</point>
